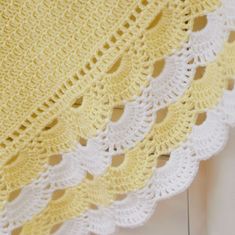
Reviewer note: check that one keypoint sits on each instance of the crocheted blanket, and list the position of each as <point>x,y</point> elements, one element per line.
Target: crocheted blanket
<point>93,93</point>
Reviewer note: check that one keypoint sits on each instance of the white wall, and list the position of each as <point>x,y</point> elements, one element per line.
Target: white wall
<point>221,191</point>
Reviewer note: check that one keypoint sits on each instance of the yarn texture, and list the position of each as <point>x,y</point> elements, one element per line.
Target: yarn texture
<point>94,93</point>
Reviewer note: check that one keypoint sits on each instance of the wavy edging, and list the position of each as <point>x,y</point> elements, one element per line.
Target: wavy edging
<point>173,178</point>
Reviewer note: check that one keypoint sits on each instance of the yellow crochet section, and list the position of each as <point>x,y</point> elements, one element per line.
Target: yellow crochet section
<point>66,64</point>
<point>140,161</point>
<point>91,110</point>
<point>43,48</point>
<point>56,53</point>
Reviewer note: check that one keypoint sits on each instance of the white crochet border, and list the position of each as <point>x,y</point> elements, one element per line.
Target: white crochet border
<point>167,181</point>
<point>140,114</point>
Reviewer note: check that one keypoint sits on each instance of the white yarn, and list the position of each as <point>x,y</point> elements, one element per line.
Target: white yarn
<point>167,181</point>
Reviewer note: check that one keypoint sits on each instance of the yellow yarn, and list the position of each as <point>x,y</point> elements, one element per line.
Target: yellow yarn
<point>141,160</point>
<point>96,99</point>
<point>51,54</point>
